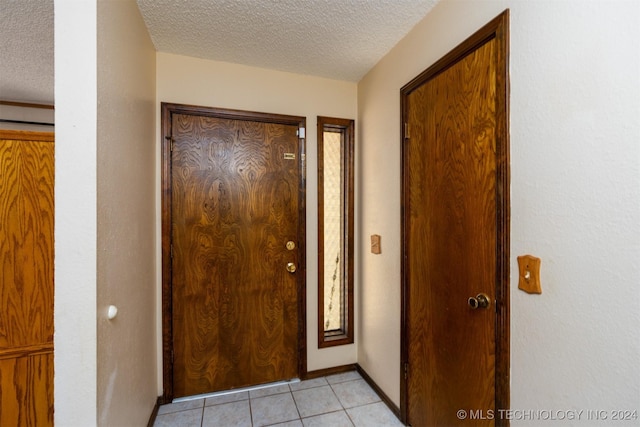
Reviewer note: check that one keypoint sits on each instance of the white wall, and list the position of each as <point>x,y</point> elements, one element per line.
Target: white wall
<point>75,214</point>
<point>105,372</point>
<point>126,358</point>
<point>575,197</point>
<point>187,80</point>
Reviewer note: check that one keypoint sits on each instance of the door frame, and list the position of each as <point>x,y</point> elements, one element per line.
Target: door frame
<point>497,29</point>
<point>167,111</point>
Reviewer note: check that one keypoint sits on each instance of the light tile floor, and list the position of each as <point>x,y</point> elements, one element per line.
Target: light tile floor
<point>341,400</point>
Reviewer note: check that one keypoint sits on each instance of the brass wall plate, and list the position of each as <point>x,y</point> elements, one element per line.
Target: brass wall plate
<point>375,244</point>
<point>529,269</point>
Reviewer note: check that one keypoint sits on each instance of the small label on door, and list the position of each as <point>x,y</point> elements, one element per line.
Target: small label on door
<point>289,156</point>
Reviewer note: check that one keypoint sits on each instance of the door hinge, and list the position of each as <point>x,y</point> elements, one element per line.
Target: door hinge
<point>406,131</point>
<point>406,370</point>
<point>301,132</point>
<point>171,142</point>
<point>171,251</point>
<point>172,356</point>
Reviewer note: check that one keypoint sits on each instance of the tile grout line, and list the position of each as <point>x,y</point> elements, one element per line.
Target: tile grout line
<point>250,399</point>
<point>357,406</point>
<point>295,402</point>
<point>341,404</point>
<point>275,394</point>
<point>337,398</point>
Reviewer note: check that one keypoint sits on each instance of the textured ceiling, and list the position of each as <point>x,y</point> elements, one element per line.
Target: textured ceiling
<point>338,39</point>
<point>26,50</point>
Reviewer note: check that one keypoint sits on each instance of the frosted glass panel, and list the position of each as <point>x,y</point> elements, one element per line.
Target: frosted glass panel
<point>333,220</point>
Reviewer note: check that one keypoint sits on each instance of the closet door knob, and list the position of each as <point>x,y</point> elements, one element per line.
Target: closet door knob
<point>479,301</point>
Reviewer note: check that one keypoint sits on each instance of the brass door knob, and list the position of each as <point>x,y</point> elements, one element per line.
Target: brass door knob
<point>291,267</point>
<point>480,301</point>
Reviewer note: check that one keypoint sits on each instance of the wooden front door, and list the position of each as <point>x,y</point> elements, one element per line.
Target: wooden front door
<point>234,208</point>
<point>26,278</point>
<point>455,236</point>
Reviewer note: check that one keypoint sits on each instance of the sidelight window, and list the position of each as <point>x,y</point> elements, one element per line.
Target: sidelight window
<point>335,231</point>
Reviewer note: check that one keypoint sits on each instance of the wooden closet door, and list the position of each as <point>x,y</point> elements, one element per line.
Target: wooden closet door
<point>456,234</point>
<point>26,278</point>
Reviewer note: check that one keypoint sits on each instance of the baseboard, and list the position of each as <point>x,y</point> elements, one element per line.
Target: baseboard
<point>392,406</point>
<point>329,371</point>
<point>154,413</point>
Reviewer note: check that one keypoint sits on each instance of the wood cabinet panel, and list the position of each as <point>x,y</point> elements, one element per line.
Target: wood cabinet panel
<point>26,243</point>
<point>26,278</point>
<point>27,391</point>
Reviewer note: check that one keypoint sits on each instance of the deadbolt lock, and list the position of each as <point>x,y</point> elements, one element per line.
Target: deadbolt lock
<point>291,245</point>
<point>480,301</point>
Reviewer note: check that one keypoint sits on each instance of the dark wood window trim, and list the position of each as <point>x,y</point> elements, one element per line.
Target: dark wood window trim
<point>343,335</point>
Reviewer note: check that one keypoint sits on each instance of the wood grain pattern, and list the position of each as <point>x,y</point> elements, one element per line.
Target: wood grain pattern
<point>27,391</point>
<point>26,243</point>
<point>450,220</point>
<point>234,206</point>
<point>26,280</point>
